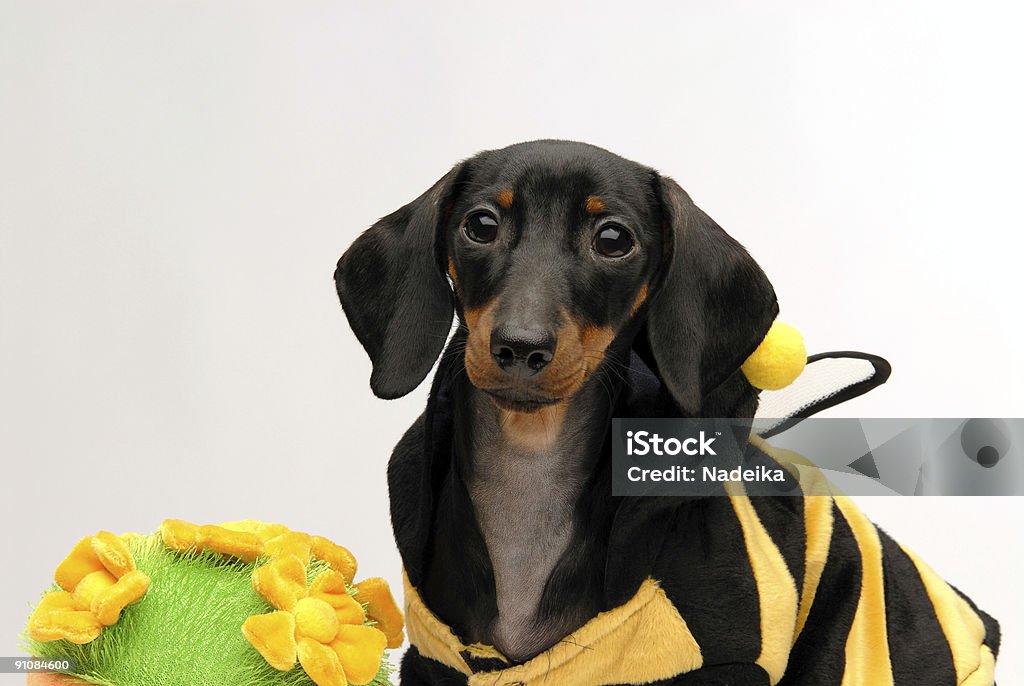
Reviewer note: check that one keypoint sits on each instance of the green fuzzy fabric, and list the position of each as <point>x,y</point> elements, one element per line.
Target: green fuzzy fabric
<point>187,629</point>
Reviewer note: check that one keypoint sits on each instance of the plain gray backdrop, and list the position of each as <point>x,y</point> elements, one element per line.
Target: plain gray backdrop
<point>177,180</point>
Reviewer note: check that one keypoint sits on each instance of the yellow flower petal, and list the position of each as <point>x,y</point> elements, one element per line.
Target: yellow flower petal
<point>290,543</point>
<point>273,635</point>
<point>250,525</point>
<point>281,582</point>
<point>54,600</point>
<point>340,559</point>
<point>360,650</point>
<point>349,611</point>
<point>241,544</point>
<point>113,553</point>
<point>79,563</point>
<point>264,530</point>
<point>315,619</point>
<point>179,535</point>
<point>321,664</point>
<point>109,603</point>
<point>91,586</point>
<point>329,582</point>
<point>76,626</point>
<point>382,608</point>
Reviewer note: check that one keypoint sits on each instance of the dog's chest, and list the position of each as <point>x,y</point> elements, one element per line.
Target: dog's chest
<point>525,503</point>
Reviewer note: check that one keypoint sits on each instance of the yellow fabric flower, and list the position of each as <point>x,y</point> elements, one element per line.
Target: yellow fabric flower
<point>320,626</point>
<point>98,580</point>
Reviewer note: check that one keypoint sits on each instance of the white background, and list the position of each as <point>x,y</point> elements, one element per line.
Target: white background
<point>178,179</point>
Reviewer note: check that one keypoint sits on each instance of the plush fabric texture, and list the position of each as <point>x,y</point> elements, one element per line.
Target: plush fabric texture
<point>648,640</point>
<point>794,591</point>
<point>380,605</point>
<point>778,359</point>
<point>642,641</point>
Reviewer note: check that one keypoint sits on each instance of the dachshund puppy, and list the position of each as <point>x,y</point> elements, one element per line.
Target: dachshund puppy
<point>587,287</point>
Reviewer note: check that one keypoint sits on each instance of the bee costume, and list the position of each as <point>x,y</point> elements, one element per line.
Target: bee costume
<point>737,590</point>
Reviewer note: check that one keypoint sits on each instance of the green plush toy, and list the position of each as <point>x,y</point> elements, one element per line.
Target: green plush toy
<point>237,604</point>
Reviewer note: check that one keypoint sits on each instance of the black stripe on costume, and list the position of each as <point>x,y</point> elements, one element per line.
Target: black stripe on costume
<point>918,650</point>
<point>417,670</point>
<point>819,656</point>
<point>706,573</point>
<point>721,675</point>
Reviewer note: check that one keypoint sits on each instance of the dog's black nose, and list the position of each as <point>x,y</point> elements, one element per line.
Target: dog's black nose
<point>530,349</point>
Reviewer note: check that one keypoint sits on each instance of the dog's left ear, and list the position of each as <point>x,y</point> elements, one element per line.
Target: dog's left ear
<point>393,290</point>
<point>712,305</point>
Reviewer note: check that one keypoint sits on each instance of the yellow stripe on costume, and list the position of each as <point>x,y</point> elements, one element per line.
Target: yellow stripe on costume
<point>776,589</point>
<point>818,525</point>
<point>985,674</point>
<point>960,624</point>
<point>817,520</point>
<point>867,645</point>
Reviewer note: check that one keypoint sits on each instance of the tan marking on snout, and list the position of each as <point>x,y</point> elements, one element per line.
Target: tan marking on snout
<point>504,198</point>
<point>641,298</point>
<point>596,340</point>
<point>595,205</point>
<point>581,348</point>
<point>483,372</point>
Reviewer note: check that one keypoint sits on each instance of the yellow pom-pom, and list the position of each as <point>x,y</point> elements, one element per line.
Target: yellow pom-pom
<point>315,619</point>
<point>778,360</point>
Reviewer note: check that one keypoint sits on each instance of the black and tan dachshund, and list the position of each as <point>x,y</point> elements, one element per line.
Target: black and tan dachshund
<point>588,286</point>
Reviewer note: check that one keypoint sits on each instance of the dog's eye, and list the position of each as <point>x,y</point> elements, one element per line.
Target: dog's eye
<point>613,241</point>
<point>481,227</point>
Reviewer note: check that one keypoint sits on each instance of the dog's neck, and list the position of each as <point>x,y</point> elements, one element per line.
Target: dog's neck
<point>525,474</point>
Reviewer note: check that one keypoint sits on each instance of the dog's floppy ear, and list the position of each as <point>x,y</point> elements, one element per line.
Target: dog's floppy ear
<point>712,305</point>
<point>393,290</point>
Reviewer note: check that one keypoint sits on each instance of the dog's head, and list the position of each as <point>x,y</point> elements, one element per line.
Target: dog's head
<point>551,251</point>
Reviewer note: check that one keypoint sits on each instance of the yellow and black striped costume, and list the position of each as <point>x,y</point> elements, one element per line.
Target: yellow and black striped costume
<point>730,590</point>
<point>796,590</point>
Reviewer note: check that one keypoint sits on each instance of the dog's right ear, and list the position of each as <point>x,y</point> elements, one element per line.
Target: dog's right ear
<point>712,306</point>
<point>393,289</point>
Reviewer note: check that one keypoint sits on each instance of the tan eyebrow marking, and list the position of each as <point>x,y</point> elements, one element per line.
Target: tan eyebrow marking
<point>641,297</point>
<point>505,198</point>
<point>595,205</point>
<point>451,273</point>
